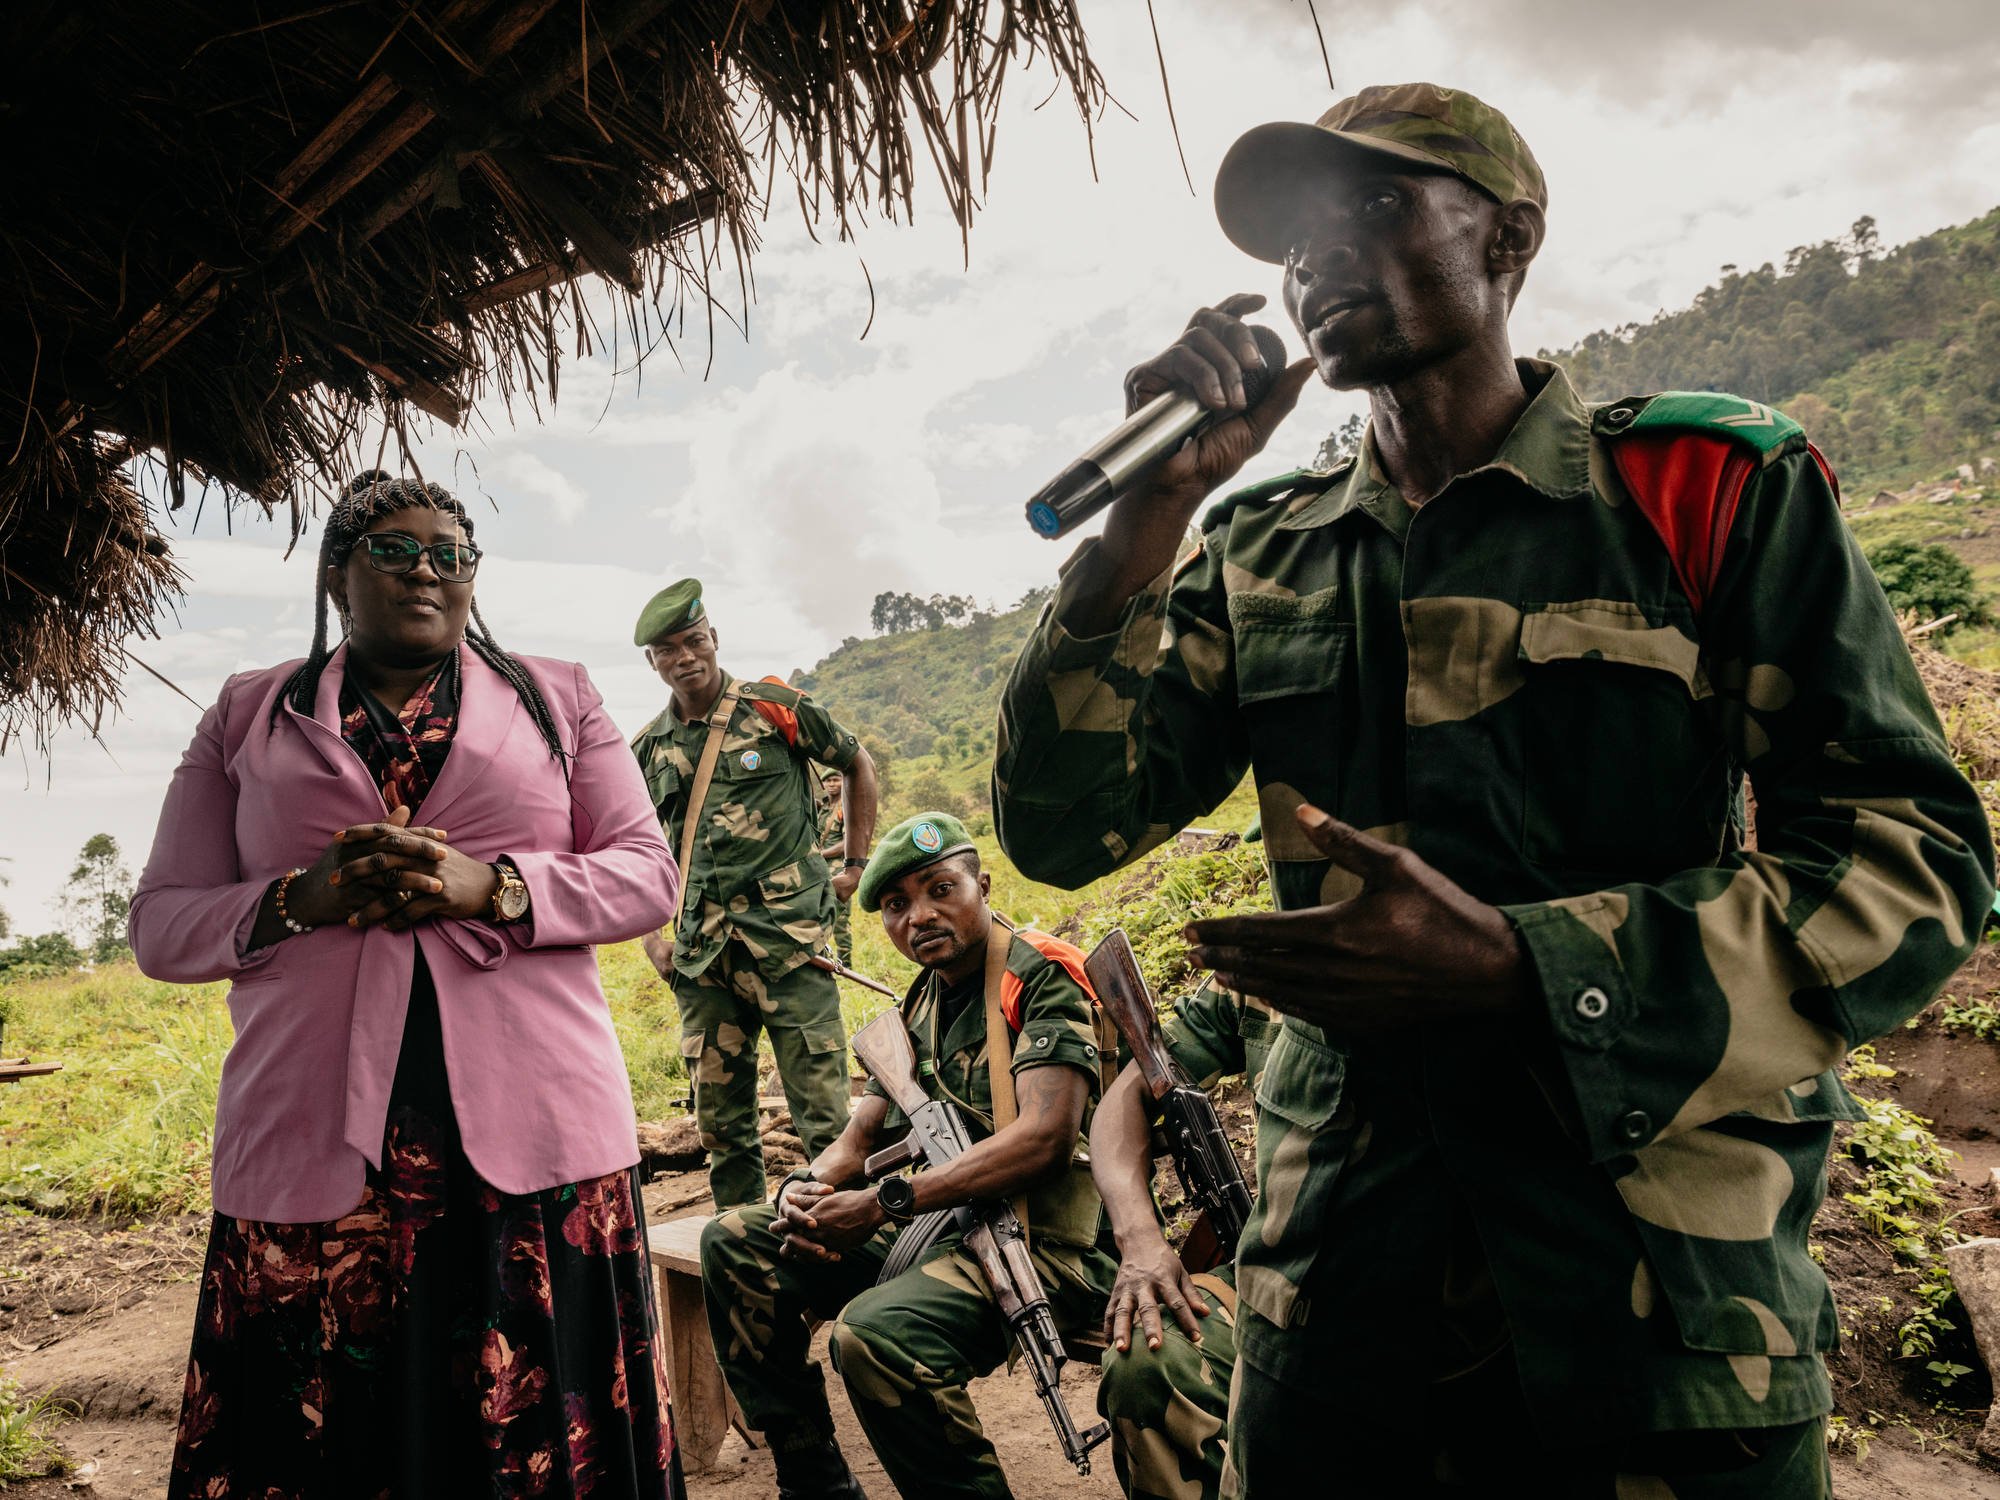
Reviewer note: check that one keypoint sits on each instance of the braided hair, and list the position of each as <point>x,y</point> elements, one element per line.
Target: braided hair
<point>364,500</point>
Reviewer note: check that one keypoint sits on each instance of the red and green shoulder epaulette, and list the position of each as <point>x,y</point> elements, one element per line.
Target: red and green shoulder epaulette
<point>1685,457</point>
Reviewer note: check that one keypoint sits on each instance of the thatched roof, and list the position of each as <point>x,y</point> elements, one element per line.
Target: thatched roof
<point>231,231</point>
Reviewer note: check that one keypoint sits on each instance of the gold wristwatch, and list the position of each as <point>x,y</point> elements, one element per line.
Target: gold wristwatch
<point>510,897</point>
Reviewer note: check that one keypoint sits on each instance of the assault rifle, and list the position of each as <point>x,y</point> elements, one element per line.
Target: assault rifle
<point>992,1232</point>
<point>1210,1177</point>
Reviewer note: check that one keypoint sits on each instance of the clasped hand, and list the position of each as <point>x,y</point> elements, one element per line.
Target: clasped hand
<point>817,1221</point>
<point>1412,949</point>
<point>392,874</point>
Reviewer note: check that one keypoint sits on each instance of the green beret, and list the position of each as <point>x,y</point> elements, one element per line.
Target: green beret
<point>675,607</point>
<point>912,844</point>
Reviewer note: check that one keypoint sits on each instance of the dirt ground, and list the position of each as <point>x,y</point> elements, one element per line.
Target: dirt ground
<point>101,1313</point>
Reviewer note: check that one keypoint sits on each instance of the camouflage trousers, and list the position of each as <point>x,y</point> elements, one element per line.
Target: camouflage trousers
<point>905,1351</point>
<point>1474,1437</point>
<point>723,1011</point>
<point>843,932</point>
<point>1169,1407</point>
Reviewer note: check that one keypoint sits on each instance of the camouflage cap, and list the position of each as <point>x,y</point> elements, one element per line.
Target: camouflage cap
<point>675,607</point>
<point>1439,129</point>
<point>913,844</point>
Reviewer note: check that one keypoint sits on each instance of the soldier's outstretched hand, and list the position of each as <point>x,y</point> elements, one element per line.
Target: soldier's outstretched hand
<point>1412,949</point>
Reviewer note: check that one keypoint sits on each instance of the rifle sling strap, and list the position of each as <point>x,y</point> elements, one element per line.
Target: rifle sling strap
<point>704,773</point>
<point>1217,1291</point>
<point>1000,1042</point>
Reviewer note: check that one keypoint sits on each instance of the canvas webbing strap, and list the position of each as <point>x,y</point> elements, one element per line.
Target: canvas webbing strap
<point>1000,1043</point>
<point>704,773</point>
<point>1217,1291</point>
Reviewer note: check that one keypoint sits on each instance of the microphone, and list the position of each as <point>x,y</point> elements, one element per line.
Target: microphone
<point>1118,462</point>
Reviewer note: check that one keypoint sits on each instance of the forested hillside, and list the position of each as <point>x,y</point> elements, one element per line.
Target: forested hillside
<point>925,700</point>
<point>1890,359</point>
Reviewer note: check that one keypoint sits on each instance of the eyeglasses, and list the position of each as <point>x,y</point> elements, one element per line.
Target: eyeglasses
<point>393,552</point>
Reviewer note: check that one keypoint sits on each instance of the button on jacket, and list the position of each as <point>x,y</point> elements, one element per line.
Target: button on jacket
<point>537,1079</point>
<point>1515,682</point>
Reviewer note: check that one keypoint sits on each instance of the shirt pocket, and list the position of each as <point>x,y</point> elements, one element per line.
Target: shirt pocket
<point>663,785</point>
<point>1291,671</point>
<point>1623,769</point>
<point>1731,1264</point>
<point>1302,1080</point>
<point>763,759</point>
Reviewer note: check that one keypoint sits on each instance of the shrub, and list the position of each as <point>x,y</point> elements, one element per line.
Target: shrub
<point>1930,579</point>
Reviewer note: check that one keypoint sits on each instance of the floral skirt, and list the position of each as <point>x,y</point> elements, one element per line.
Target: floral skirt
<point>442,1339</point>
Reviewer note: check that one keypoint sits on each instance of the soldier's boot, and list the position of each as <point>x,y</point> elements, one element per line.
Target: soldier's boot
<point>809,1461</point>
<point>812,1467</point>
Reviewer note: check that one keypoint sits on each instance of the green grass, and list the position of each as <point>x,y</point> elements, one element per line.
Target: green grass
<point>27,1446</point>
<point>125,1127</point>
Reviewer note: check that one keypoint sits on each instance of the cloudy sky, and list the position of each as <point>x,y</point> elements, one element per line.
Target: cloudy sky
<point>813,468</point>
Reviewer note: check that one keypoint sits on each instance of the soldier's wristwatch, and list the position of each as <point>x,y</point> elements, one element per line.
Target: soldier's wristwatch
<point>510,897</point>
<point>897,1198</point>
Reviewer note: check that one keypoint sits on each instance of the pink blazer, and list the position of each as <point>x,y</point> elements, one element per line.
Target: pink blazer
<point>536,1077</point>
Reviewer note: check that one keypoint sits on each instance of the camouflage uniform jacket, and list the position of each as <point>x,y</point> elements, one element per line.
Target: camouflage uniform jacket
<point>948,1028</point>
<point>1515,682</point>
<point>755,874</point>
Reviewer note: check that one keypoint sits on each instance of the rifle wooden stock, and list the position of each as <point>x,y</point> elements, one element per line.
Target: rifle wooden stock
<point>883,1046</point>
<point>1121,990</point>
<point>1184,1115</point>
<point>891,1159</point>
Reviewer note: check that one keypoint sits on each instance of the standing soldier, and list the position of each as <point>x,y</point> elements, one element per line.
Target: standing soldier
<point>1523,652</point>
<point>907,1346</point>
<point>833,845</point>
<point>726,763</point>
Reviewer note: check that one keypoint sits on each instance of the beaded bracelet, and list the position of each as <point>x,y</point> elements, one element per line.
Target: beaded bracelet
<point>284,916</point>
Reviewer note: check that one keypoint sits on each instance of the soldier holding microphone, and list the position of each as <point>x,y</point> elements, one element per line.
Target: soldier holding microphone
<point>1548,1114</point>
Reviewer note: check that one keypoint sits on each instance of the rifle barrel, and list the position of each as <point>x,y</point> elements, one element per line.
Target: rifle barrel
<point>841,971</point>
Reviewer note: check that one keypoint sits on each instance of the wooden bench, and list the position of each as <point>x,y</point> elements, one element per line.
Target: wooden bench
<point>704,1411</point>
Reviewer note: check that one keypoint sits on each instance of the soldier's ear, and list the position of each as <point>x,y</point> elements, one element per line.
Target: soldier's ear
<point>985,885</point>
<point>1518,231</point>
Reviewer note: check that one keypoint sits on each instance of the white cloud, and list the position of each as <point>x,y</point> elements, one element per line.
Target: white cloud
<point>521,470</point>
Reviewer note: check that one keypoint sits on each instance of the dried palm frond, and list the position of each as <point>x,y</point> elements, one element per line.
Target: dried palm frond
<point>236,234</point>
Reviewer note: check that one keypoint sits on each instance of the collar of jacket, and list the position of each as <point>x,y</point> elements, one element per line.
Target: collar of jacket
<point>487,704</point>
<point>1548,451</point>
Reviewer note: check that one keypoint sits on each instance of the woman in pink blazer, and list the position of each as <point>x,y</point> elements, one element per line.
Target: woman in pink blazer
<point>427,1271</point>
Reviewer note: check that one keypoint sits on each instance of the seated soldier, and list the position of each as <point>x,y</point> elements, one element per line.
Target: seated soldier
<point>907,1345</point>
<point>1170,1335</point>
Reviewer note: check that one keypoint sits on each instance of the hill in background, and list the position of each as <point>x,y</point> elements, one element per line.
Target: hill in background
<point>926,702</point>
<point>1889,359</point>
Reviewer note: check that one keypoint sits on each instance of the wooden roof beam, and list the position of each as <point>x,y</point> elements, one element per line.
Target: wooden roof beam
<point>674,219</point>
<point>605,252</point>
